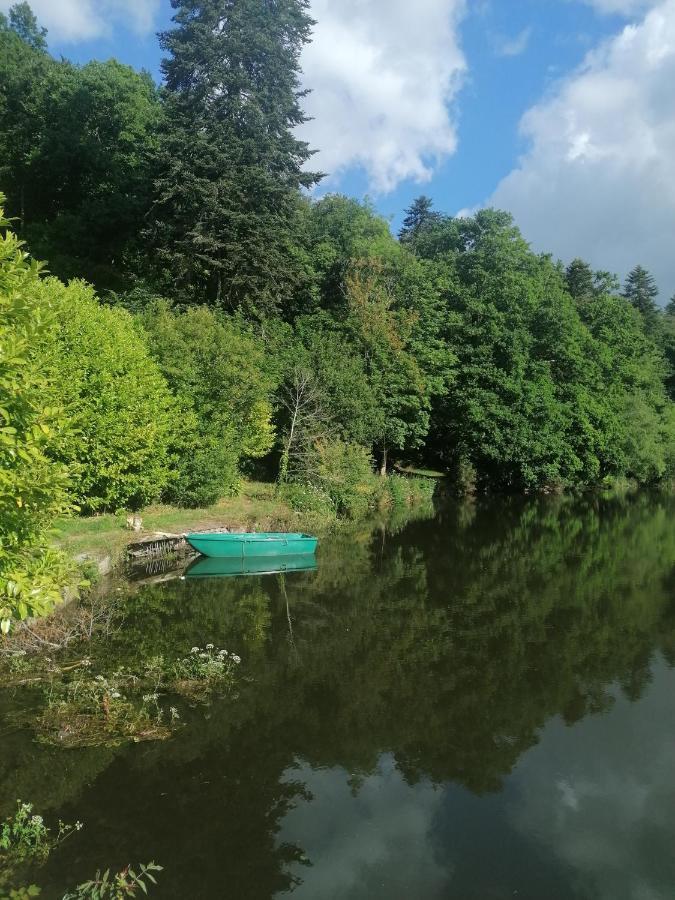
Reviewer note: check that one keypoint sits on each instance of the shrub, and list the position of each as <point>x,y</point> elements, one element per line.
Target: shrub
<point>32,487</point>
<point>207,468</point>
<point>216,369</point>
<point>344,472</point>
<point>115,397</point>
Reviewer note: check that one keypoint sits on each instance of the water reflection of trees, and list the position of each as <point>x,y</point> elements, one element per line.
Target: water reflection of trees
<point>449,644</point>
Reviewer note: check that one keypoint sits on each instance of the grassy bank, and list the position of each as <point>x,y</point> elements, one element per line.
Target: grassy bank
<point>258,507</point>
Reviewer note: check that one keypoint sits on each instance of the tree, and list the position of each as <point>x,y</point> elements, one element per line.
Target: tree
<point>22,20</point>
<point>215,368</point>
<point>670,307</point>
<point>26,79</point>
<point>76,147</point>
<point>112,392</point>
<point>579,280</point>
<point>306,423</point>
<point>382,335</point>
<point>641,290</point>
<point>417,217</point>
<point>93,173</point>
<point>32,487</point>
<point>227,194</point>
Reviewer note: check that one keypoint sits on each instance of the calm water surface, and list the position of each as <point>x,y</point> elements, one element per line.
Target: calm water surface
<point>477,705</point>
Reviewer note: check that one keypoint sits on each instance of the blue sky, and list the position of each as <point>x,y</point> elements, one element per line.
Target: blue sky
<point>558,110</point>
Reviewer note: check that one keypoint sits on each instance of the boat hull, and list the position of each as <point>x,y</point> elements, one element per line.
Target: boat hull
<point>245,546</point>
<point>220,567</point>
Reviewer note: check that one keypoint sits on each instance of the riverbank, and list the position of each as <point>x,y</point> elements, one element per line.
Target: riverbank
<point>102,540</point>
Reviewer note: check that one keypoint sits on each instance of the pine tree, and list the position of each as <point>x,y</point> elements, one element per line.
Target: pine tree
<point>418,215</point>
<point>579,280</point>
<point>670,306</point>
<point>227,205</point>
<point>641,290</point>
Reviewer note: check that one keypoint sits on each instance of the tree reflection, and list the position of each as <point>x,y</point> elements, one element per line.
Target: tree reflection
<point>449,645</point>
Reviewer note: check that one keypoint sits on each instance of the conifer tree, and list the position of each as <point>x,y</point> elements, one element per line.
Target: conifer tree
<point>227,196</point>
<point>641,290</point>
<point>579,280</point>
<point>417,216</point>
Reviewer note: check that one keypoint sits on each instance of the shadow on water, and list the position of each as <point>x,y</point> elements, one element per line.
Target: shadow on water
<point>473,705</point>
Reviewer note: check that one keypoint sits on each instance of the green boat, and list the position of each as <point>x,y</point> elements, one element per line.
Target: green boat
<point>245,545</point>
<point>204,567</point>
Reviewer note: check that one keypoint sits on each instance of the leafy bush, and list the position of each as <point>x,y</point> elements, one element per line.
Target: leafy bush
<point>344,472</point>
<point>115,397</point>
<point>32,487</point>
<point>207,467</point>
<point>26,840</point>
<point>217,371</point>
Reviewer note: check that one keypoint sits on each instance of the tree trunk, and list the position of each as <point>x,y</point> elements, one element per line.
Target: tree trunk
<point>383,467</point>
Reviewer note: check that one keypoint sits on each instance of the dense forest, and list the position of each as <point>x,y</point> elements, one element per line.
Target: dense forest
<point>200,315</point>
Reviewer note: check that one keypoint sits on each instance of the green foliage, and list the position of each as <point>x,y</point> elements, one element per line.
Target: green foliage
<point>542,384</point>
<point>25,841</point>
<point>418,216</point>
<point>307,498</point>
<point>78,143</point>
<point>205,669</point>
<point>641,290</point>
<point>115,398</point>
<point>32,488</point>
<point>405,491</point>
<point>22,20</point>
<point>455,344</point>
<point>383,335</point>
<point>343,472</point>
<point>227,209</point>
<point>215,367</point>
<point>119,886</point>
<point>100,711</point>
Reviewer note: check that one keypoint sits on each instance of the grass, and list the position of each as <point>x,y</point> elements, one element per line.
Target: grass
<point>255,507</point>
<point>421,473</point>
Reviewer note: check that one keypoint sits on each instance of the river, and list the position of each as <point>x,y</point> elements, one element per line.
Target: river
<point>479,704</point>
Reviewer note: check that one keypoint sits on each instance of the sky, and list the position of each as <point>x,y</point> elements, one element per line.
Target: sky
<point>560,111</point>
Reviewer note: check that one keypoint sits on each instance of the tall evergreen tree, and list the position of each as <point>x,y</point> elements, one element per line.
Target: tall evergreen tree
<point>417,216</point>
<point>579,280</point>
<point>641,290</point>
<point>227,199</point>
<point>670,306</point>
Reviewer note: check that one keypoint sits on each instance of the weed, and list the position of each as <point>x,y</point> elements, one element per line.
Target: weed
<point>126,883</point>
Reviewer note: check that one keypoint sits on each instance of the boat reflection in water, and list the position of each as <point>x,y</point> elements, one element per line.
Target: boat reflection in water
<point>209,567</point>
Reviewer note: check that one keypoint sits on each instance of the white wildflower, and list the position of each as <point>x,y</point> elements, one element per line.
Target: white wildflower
<point>209,646</point>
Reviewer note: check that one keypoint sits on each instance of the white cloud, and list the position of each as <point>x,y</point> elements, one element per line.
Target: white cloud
<point>598,180</point>
<point>360,846</point>
<point>592,799</point>
<point>512,46</point>
<point>383,75</point>
<point>77,20</point>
